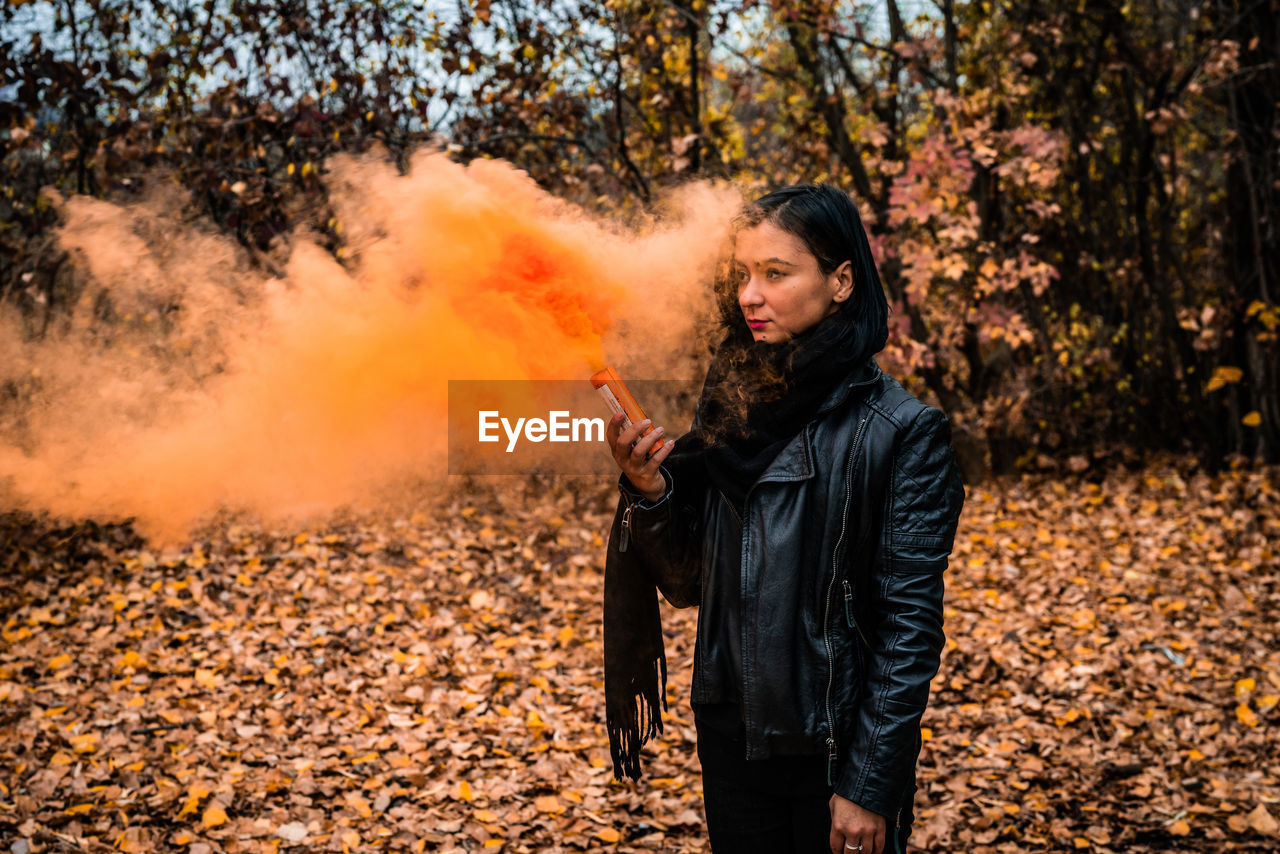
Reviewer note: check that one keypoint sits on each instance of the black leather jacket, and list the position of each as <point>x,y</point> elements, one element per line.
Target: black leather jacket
<point>842,547</point>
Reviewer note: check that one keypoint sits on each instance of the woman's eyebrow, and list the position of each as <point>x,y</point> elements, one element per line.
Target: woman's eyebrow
<point>782,261</point>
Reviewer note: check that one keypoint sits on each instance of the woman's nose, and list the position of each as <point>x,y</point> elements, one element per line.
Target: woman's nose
<point>749,293</point>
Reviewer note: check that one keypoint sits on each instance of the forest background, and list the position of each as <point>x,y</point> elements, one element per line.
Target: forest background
<point>1073,205</point>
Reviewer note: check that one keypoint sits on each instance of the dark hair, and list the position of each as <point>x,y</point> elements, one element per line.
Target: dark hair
<point>825,218</point>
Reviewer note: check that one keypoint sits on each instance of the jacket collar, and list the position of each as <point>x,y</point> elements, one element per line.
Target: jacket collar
<point>796,460</point>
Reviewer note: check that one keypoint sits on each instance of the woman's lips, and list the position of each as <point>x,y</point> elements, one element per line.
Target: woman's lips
<point>757,324</point>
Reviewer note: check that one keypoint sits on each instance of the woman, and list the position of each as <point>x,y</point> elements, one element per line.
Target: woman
<point>809,512</point>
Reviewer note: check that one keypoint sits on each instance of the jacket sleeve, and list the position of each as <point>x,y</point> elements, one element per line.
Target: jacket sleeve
<point>922,511</point>
<point>665,537</point>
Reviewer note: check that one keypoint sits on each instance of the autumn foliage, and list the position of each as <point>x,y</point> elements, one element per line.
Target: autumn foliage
<point>434,682</point>
<point>1073,204</point>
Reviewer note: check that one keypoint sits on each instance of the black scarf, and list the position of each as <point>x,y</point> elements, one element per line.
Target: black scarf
<point>755,400</point>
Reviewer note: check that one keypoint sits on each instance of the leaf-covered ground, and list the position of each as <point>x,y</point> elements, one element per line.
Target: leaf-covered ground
<point>435,683</point>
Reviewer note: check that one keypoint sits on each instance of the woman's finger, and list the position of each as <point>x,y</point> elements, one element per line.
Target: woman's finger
<point>645,444</point>
<point>613,428</point>
<point>878,842</point>
<point>656,458</point>
<point>622,446</point>
<point>628,437</point>
<point>851,845</point>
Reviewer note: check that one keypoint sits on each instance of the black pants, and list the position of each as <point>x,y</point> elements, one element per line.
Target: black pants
<point>776,805</point>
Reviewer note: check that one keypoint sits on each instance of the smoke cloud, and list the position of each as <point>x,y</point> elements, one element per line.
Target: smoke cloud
<point>186,382</point>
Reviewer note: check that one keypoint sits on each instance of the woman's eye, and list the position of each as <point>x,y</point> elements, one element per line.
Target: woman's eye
<point>773,274</point>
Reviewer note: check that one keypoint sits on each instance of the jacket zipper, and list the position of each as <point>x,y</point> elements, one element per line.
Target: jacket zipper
<point>832,748</point>
<point>624,538</point>
<point>848,612</point>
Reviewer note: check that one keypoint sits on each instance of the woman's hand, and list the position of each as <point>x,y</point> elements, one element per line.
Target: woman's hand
<point>631,452</point>
<point>854,829</point>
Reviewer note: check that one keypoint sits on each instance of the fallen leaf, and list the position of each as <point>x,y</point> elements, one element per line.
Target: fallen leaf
<point>548,804</point>
<point>1261,820</point>
<point>293,832</point>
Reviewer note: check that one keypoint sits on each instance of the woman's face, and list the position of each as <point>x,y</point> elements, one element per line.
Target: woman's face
<point>781,289</point>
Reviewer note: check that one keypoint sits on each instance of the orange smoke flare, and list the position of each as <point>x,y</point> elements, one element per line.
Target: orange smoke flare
<point>289,397</point>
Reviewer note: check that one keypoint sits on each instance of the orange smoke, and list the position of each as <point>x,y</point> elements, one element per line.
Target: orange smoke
<point>289,397</point>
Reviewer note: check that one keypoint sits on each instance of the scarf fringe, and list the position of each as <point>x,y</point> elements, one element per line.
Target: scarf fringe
<point>632,723</point>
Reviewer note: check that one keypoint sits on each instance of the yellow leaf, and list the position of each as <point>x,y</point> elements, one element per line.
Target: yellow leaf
<point>195,794</point>
<point>1179,828</point>
<point>133,842</point>
<point>1245,715</point>
<point>1083,619</point>
<point>360,760</point>
<point>213,817</point>
<point>1253,419</point>
<point>1222,376</point>
<point>565,635</point>
<point>1244,686</point>
<point>59,662</point>
<point>533,720</point>
<point>464,791</point>
<point>926,733</point>
<point>78,808</point>
<point>1081,842</point>
<point>1069,717</point>
<point>360,805</point>
<point>548,803</point>
<point>496,842</point>
<point>289,169</point>
<point>486,816</point>
<point>129,659</point>
<point>86,743</point>
<point>608,835</point>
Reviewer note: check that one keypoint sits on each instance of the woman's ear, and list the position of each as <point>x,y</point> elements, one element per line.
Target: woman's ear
<point>841,282</point>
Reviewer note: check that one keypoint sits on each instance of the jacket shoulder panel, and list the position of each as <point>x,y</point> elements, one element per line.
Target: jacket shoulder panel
<point>895,403</point>
<point>927,490</point>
